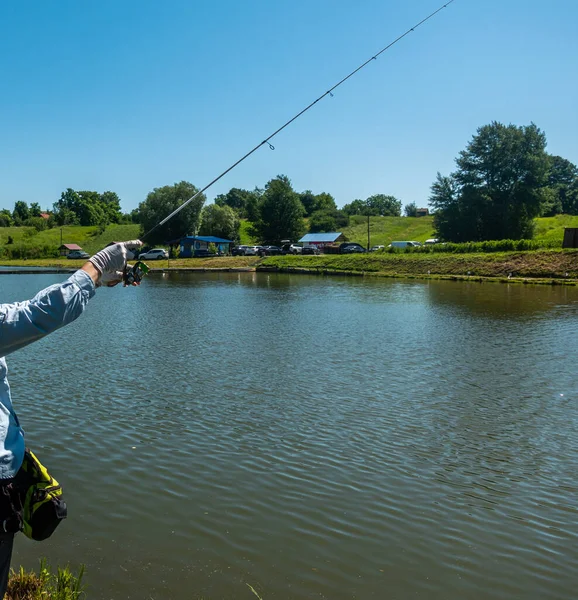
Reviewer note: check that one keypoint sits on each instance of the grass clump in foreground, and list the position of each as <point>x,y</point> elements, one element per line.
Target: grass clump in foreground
<point>45,585</point>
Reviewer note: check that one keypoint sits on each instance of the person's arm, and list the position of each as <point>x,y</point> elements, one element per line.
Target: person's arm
<point>22,323</point>
<point>92,271</point>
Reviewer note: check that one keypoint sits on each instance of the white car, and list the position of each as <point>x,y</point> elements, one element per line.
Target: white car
<point>154,254</point>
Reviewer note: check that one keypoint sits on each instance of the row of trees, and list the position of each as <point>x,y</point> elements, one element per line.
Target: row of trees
<point>73,208</point>
<point>276,212</point>
<point>504,180</point>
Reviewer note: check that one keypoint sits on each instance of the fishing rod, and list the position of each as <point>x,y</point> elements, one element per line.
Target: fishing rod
<point>267,140</point>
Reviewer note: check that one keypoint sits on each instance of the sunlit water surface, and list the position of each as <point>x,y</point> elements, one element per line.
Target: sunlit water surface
<point>311,437</point>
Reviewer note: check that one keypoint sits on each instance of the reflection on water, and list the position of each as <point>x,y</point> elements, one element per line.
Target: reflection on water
<point>314,437</point>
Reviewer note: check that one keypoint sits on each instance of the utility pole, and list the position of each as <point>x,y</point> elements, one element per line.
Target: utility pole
<point>368,238</point>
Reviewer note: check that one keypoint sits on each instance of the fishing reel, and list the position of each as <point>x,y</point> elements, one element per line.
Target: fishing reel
<point>133,275</point>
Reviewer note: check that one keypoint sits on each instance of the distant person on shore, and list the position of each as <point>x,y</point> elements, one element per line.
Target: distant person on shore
<point>21,324</point>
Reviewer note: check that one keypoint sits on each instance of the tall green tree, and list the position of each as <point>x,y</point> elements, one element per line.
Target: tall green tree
<point>498,188</point>
<point>280,213</point>
<point>220,221</point>
<point>35,209</point>
<point>317,202</point>
<point>563,186</point>
<point>376,205</point>
<point>87,208</point>
<point>356,207</point>
<point>242,201</point>
<point>21,212</point>
<point>164,200</point>
<point>384,206</point>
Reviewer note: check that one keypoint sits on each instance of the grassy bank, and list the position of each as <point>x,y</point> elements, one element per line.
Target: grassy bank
<point>553,264</point>
<point>219,262</point>
<point>558,265</point>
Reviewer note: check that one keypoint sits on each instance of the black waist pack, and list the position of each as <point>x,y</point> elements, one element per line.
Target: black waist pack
<point>42,506</point>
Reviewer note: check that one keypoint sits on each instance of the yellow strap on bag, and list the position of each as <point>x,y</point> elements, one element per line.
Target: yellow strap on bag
<point>43,506</point>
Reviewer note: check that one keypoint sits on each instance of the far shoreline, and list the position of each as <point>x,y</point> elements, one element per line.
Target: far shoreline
<point>545,267</point>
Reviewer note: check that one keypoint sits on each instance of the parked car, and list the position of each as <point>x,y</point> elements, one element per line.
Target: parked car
<point>351,248</point>
<point>291,248</point>
<point>376,248</point>
<point>404,245</point>
<point>75,254</point>
<point>154,254</point>
<point>270,251</point>
<point>431,241</point>
<point>252,250</point>
<point>310,250</point>
<point>239,250</point>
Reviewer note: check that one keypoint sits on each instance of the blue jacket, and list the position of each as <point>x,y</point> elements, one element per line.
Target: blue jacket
<point>22,323</point>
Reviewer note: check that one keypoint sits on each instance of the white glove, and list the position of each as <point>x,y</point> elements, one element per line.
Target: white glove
<point>111,261</point>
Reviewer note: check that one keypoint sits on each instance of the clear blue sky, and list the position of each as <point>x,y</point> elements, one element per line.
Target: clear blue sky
<point>128,95</point>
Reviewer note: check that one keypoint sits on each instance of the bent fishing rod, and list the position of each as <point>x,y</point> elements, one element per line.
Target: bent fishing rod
<point>267,140</point>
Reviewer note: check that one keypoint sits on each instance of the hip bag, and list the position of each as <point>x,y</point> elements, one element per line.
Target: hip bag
<point>41,501</point>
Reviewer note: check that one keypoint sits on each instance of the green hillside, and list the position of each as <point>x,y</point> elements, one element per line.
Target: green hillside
<point>49,240</point>
<point>384,230</point>
<point>552,228</point>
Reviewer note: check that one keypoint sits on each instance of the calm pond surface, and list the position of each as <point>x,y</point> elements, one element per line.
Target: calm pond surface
<point>313,437</point>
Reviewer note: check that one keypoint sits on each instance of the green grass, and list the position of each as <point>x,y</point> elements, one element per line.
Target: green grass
<point>246,239</point>
<point>86,237</point>
<point>45,585</point>
<point>384,230</point>
<point>71,234</point>
<point>552,228</point>
<point>113,233</point>
<point>561,265</point>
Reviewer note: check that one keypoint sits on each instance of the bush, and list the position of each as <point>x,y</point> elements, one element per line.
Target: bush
<point>20,251</point>
<point>474,247</point>
<point>38,223</point>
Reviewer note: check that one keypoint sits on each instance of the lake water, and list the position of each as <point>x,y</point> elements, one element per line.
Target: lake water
<point>313,437</point>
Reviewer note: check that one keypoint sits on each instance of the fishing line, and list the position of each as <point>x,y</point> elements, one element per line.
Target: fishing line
<point>266,141</point>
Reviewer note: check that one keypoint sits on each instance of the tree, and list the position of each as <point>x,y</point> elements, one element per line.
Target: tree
<point>242,201</point>
<point>410,210</point>
<point>280,212</point>
<point>563,187</point>
<point>357,207</point>
<point>35,209</point>
<point>110,203</point>
<point>308,200</point>
<point>323,221</point>
<point>498,188</point>
<point>317,202</point>
<point>384,206</point>
<point>20,212</point>
<point>376,205</point>
<point>6,219</point>
<point>161,202</point>
<point>87,208</point>
<point>220,221</point>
